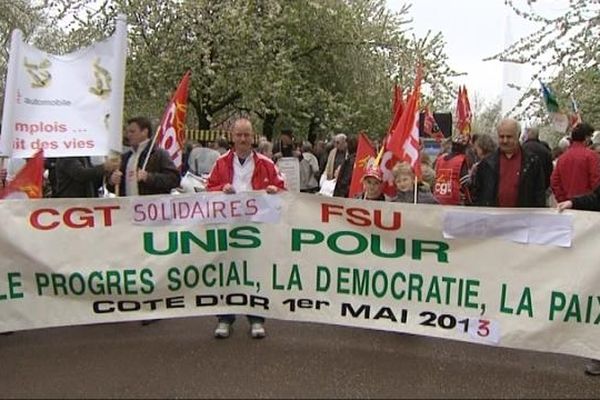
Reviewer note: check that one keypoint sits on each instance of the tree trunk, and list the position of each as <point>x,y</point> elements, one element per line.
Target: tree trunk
<point>269,125</point>
<point>313,130</point>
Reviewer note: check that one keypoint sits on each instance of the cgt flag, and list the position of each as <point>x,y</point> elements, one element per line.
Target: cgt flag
<point>170,134</point>
<point>28,181</point>
<point>365,158</point>
<point>404,142</point>
<point>463,112</point>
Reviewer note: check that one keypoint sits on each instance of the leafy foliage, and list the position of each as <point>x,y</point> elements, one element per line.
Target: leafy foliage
<point>318,66</point>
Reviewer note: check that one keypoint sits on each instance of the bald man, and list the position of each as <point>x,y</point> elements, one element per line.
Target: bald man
<point>242,169</point>
<point>511,176</point>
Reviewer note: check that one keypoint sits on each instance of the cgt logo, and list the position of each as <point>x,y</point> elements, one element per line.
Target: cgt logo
<point>46,219</point>
<point>443,183</point>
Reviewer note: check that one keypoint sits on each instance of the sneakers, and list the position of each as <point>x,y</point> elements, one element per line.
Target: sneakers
<point>257,330</point>
<point>593,367</point>
<point>222,331</point>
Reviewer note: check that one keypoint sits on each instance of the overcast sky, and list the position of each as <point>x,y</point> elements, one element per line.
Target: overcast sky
<point>473,30</point>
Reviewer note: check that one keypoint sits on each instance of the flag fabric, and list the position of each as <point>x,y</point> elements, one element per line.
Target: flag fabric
<point>463,112</point>
<point>549,99</point>
<point>170,133</point>
<point>365,159</point>
<point>430,126</point>
<point>28,181</point>
<point>575,116</point>
<point>398,106</point>
<point>404,142</point>
<point>71,104</point>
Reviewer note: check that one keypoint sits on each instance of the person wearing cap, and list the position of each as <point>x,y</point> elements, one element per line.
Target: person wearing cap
<point>372,183</point>
<point>511,176</point>
<point>577,170</point>
<point>452,174</point>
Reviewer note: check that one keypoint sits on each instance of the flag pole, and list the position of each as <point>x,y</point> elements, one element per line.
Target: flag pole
<point>3,166</point>
<point>415,191</point>
<point>116,121</point>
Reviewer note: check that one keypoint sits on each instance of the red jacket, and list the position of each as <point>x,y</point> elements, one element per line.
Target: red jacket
<point>577,172</point>
<point>265,173</point>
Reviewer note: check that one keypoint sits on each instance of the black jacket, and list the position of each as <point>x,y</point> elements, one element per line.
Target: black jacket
<point>77,177</point>
<point>532,192</point>
<point>543,152</point>
<point>589,202</point>
<point>342,186</point>
<point>162,173</point>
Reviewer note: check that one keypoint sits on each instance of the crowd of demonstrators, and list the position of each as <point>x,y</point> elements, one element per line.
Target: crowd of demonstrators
<point>239,170</point>
<point>487,170</point>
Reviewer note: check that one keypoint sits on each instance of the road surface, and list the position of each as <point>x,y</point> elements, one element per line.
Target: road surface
<point>179,358</point>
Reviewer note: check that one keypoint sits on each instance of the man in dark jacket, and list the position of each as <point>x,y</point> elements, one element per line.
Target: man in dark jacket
<point>77,177</point>
<point>512,176</point>
<point>160,174</point>
<point>534,145</point>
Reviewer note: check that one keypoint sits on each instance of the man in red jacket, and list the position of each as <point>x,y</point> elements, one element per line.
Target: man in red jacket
<point>577,170</point>
<point>239,170</point>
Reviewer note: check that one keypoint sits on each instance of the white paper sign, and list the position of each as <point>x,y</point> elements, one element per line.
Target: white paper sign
<point>290,169</point>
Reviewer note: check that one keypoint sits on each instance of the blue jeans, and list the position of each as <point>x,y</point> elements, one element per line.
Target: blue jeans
<point>230,318</point>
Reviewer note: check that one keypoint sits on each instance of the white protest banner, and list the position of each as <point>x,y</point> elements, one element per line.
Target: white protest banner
<point>290,169</point>
<point>302,257</point>
<point>68,105</point>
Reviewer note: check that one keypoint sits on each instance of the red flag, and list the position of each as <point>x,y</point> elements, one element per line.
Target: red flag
<point>170,134</point>
<point>404,140</point>
<point>463,112</point>
<point>28,181</point>
<point>397,106</point>
<point>365,158</point>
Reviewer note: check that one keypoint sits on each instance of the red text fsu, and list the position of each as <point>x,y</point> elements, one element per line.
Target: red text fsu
<point>361,216</point>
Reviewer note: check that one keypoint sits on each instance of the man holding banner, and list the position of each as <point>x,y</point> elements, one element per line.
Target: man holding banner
<point>160,174</point>
<point>242,169</point>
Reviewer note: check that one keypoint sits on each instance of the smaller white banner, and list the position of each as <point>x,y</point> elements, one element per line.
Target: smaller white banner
<point>544,229</point>
<point>206,208</point>
<point>290,169</point>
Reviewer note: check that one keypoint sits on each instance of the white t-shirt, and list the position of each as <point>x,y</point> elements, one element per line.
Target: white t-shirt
<point>131,182</point>
<point>242,174</point>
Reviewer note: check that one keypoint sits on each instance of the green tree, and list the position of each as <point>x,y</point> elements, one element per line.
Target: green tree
<point>319,66</point>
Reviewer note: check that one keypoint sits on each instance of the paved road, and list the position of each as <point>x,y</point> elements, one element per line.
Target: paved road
<point>179,358</point>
